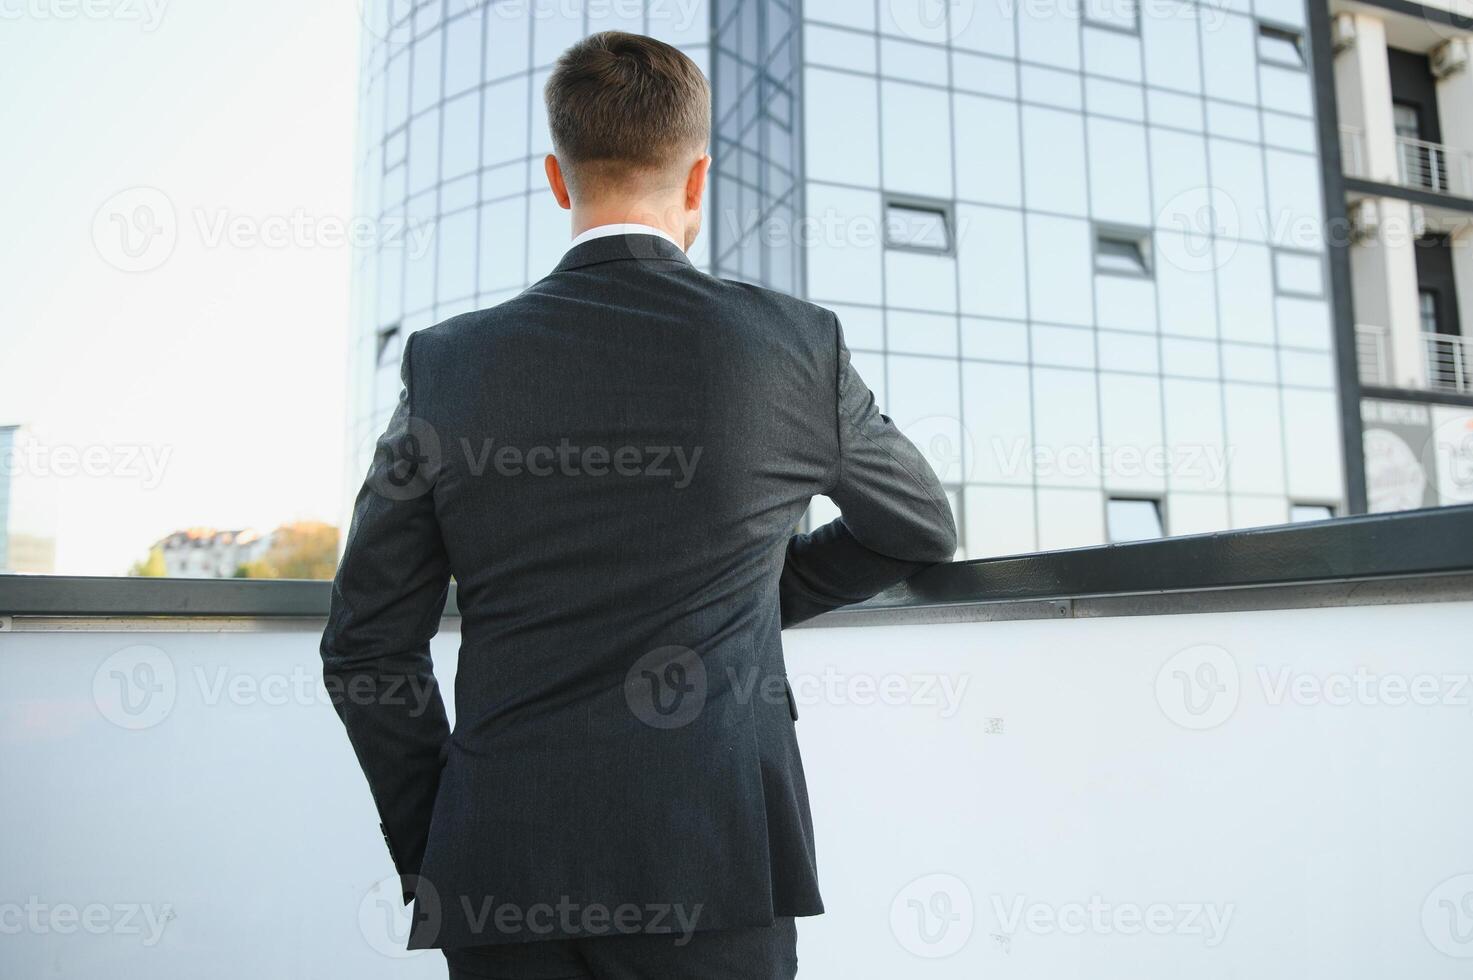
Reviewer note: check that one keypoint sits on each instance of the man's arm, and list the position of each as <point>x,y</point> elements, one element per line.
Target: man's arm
<point>387,601</point>
<point>894,519</point>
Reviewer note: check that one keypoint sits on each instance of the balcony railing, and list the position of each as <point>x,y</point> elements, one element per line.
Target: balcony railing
<point>1420,164</point>
<point>1449,359</point>
<point>1372,354</point>
<point>1449,362</point>
<point>1432,166</point>
<point>1065,767</point>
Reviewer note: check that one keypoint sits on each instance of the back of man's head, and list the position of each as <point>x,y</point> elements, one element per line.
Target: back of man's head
<point>628,115</point>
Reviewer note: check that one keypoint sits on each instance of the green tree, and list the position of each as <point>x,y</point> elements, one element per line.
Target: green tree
<point>306,549</point>
<point>151,567</point>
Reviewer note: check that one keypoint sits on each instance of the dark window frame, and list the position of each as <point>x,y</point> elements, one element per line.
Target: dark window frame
<point>945,209</point>
<point>1141,240</point>
<point>384,338</point>
<point>1112,25</point>
<point>1281,33</point>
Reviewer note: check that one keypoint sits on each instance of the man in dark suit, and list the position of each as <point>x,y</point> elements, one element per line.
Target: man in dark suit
<point>612,466</point>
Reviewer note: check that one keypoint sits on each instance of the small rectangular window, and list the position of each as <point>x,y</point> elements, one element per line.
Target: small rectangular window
<point>1277,46</point>
<point>1300,513</point>
<point>921,226</point>
<point>388,344</point>
<point>1429,307</point>
<point>1114,15</point>
<point>1133,519</point>
<point>1122,253</point>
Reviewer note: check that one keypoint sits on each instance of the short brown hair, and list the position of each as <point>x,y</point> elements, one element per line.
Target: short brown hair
<point>623,104</point>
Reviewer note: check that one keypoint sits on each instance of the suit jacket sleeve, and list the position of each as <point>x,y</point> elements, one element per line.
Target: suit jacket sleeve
<point>387,601</point>
<point>894,517</point>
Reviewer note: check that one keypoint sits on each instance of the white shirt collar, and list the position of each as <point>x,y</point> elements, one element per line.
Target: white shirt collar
<point>607,231</point>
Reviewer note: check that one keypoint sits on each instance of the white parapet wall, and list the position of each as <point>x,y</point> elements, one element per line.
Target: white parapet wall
<point>1214,795</point>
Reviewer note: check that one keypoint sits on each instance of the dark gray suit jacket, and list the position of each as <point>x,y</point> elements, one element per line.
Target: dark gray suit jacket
<point>612,465</point>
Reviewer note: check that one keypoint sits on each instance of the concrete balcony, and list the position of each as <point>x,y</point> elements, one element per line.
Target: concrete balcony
<point>1419,165</point>
<point>1447,360</point>
<point>1234,755</point>
<point>1449,363</point>
<point>1434,167</point>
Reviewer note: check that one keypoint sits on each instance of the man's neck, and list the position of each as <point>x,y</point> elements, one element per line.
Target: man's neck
<point>667,220</point>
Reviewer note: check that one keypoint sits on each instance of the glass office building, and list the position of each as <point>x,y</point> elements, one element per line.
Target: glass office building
<point>1078,250</point>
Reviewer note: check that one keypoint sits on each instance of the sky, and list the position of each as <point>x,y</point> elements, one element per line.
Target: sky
<point>192,373</point>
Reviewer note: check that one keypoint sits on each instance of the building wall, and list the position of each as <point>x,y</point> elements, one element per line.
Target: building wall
<point>1418,421</point>
<point>757,144</point>
<point>451,140</point>
<point>1037,387</point>
<point>1170,125</point>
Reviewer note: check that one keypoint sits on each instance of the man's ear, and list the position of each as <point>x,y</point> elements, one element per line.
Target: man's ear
<point>556,182</point>
<point>695,183</point>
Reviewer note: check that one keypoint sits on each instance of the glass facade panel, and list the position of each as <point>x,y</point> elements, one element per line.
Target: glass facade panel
<point>1013,357</point>
<point>1133,520</point>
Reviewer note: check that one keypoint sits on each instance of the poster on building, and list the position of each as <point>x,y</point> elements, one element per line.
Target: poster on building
<point>1452,438</point>
<point>1399,455</point>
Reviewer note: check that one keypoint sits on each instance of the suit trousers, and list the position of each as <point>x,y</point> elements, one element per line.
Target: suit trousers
<point>761,953</point>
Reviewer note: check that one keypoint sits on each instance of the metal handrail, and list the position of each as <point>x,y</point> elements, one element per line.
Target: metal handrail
<point>1360,548</point>
<point>1372,354</point>
<point>1423,164</point>
<point>1449,362</point>
<point>1420,164</point>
